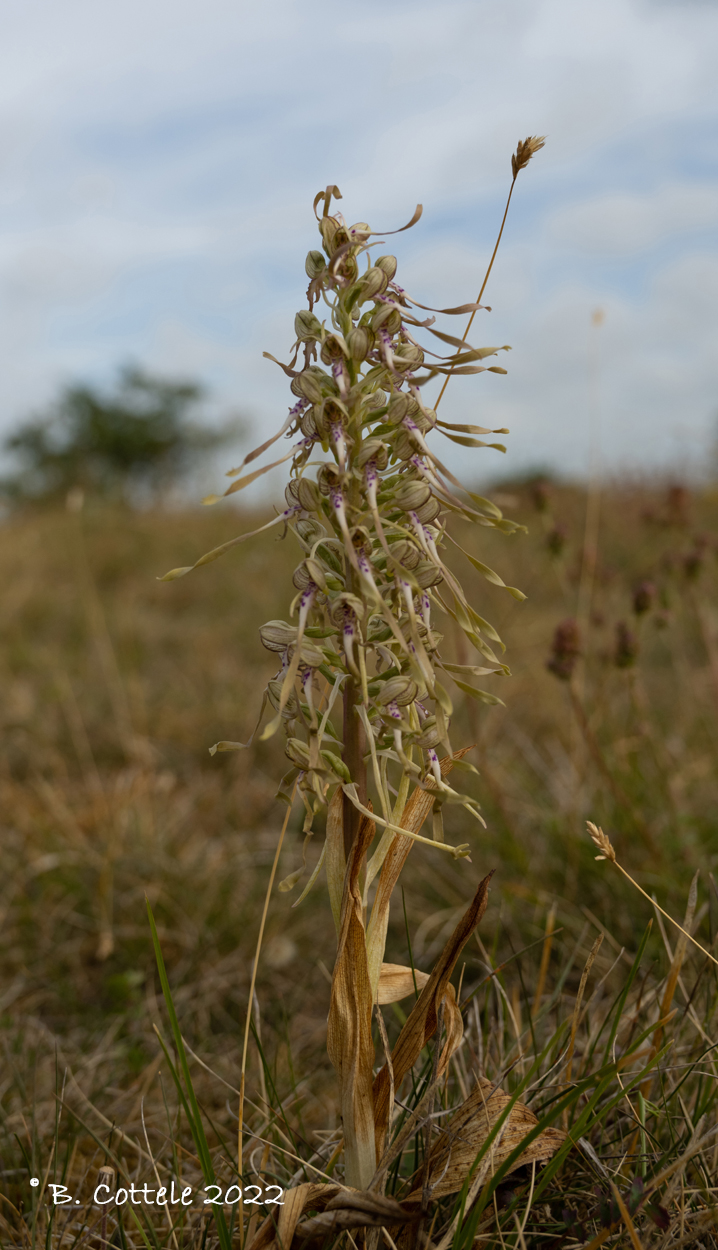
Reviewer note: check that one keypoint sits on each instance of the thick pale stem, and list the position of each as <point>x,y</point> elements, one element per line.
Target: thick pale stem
<point>351,993</point>
<point>354,748</point>
<point>354,737</point>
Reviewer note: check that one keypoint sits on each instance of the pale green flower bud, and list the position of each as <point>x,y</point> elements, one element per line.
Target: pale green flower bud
<point>360,342</point>
<point>387,264</point>
<point>291,493</point>
<point>427,574</point>
<point>314,264</point>
<point>312,384</point>
<point>372,449</point>
<point>309,530</point>
<point>428,511</point>
<point>311,655</point>
<point>307,327</point>
<point>298,753</point>
<point>328,228</point>
<point>373,400</point>
<point>336,765</point>
<point>420,421</point>
<point>386,318</point>
<point>373,283</point>
<point>430,735</point>
<point>308,494</point>
<point>301,577</point>
<point>408,357</point>
<point>318,420</point>
<point>406,553</point>
<point>277,635</point>
<point>274,694</point>
<point>377,376</point>
<point>400,690</point>
<point>316,572</point>
<point>397,409</point>
<point>402,446</point>
<point>411,495</point>
<point>308,423</point>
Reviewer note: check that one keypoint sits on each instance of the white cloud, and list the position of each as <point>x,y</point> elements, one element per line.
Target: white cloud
<point>623,225</point>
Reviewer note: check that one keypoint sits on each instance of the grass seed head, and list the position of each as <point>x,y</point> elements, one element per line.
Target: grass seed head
<point>525,150</point>
<point>599,838</point>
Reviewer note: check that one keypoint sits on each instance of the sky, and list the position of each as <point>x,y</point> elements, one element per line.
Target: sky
<point>158,163</point>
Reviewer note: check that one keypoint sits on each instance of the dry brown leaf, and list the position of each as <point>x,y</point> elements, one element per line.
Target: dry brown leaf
<point>349,1040</point>
<point>459,1141</point>
<point>278,1229</point>
<point>421,1023</point>
<point>340,1208</point>
<point>334,859</point>
<point>413,817</point>
<point>397,981</point>
<point>354,1209</point>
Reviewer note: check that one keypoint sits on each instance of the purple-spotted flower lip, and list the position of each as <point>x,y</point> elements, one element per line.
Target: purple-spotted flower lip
<point>339,373</point>
<point>434,764</point>
<point>306,602</point>
<point>306,676</point>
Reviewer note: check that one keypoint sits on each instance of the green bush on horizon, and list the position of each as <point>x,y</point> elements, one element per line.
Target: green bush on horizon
<point>129,442</point>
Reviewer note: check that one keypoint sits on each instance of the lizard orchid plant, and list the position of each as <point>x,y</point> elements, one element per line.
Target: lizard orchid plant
<point>369,502</point>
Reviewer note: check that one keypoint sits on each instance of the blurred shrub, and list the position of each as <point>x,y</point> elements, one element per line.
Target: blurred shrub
<point>129,443</point>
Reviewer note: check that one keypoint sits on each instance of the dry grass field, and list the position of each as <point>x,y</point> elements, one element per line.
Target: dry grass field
<point>114,687</point>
